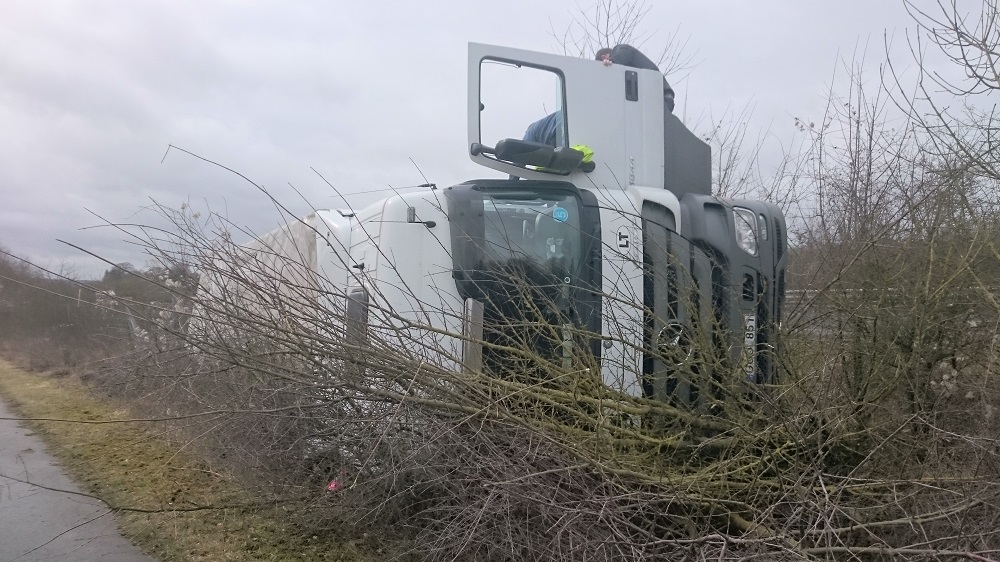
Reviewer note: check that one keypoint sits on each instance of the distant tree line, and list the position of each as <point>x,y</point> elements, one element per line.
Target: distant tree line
<point>53,321</point>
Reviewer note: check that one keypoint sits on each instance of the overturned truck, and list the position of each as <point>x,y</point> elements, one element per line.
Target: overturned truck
<point>600,249</point>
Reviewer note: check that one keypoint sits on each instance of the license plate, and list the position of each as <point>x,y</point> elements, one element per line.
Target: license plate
<point>750,346</point>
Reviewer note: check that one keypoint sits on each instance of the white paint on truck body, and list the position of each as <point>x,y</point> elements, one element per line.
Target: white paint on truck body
<point>406,268</point>
<point>622,247</point>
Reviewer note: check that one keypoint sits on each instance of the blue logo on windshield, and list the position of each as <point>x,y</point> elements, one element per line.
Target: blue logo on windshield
<point>560,214</point>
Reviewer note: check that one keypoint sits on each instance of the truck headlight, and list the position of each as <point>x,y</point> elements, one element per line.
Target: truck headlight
<point>746,230</point>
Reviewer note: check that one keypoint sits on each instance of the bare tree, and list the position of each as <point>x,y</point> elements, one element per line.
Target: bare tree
<point>608,23</point>
<point>965,121</point>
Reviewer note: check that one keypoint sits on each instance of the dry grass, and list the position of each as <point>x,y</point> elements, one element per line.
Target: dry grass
<point>169,503</point>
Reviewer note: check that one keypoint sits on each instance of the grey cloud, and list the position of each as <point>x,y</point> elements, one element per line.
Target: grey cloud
<point>91,94</point>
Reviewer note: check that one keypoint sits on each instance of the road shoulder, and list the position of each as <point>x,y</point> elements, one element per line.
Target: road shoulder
<point>43,514</point>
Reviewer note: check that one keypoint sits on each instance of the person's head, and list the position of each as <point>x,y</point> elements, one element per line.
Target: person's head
<point>603,54</point>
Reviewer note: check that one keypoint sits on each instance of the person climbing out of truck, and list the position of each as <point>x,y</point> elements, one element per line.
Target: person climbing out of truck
<point>549,129</point>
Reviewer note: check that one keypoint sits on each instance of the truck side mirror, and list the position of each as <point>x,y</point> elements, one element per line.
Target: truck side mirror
<point>544,157</point>
<point>527,153</point>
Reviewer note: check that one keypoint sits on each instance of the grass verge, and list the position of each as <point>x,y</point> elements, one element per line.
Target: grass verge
<point>168,503</point>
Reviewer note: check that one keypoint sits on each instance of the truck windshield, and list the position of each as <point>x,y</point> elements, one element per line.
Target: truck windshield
<point>516,235</point>
<point>536,232</point>
<point>518,250</point>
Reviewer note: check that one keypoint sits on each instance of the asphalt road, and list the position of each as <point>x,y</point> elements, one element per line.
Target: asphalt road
<point>38,523</point>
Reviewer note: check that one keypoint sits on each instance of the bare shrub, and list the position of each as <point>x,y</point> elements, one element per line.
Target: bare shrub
<point>391,432</point>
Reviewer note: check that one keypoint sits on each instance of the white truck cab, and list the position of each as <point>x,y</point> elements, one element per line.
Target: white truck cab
<point>681,275</point>
<point>597,246</point>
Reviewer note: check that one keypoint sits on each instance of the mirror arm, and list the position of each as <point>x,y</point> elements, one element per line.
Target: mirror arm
<point>478,148</point>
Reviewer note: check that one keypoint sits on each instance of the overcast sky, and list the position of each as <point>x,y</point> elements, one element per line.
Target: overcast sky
<point>92,93</point>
